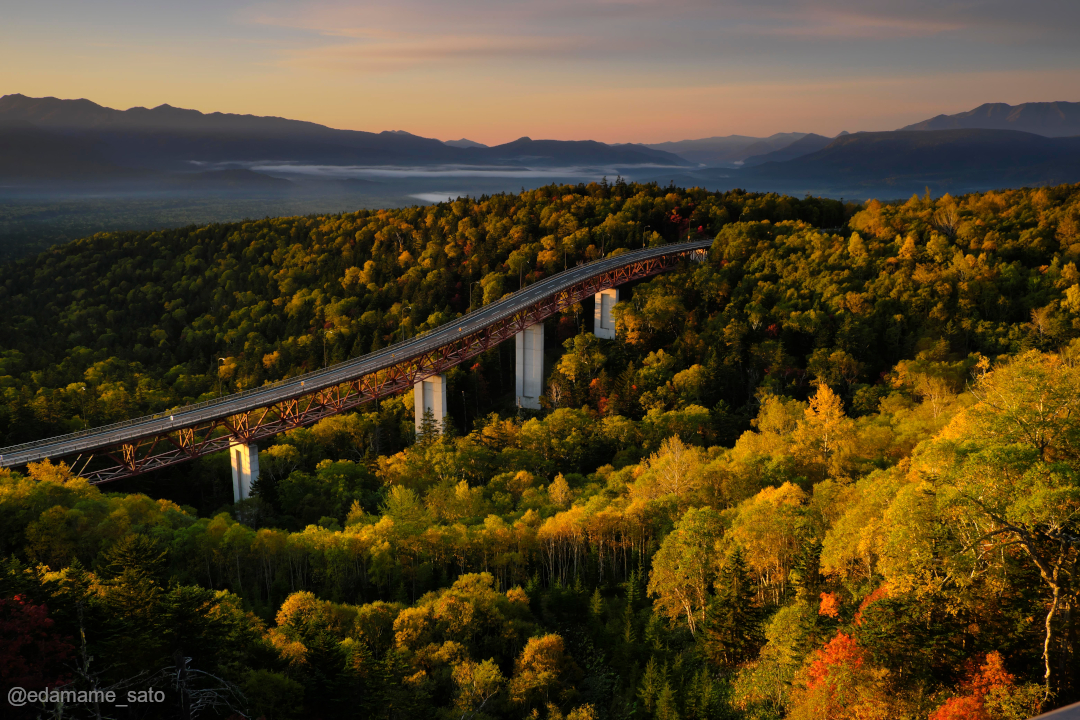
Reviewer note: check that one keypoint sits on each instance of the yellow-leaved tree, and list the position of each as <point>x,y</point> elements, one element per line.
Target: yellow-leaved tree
<point>770,527</point>
<point>823,437</point>
<point>999,486</point>
<point>1016,474</point>
<point>541,672</point>
<point>684,567</point>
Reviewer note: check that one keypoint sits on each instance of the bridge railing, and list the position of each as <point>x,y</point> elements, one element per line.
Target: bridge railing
<point>511,303</point>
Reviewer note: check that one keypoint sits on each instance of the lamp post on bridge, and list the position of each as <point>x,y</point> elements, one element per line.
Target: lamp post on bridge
<point>521,273</point>
<point>473,284</point>
<point>403,319</point>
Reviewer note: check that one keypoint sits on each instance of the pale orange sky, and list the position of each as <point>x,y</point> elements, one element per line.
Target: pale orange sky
<point>610,70</point>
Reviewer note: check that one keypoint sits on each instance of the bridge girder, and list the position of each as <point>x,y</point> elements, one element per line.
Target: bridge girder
<point>162,449</point>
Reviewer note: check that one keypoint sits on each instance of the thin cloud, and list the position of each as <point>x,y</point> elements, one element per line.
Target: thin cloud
<point>383,52</point>
<point>837,25</point>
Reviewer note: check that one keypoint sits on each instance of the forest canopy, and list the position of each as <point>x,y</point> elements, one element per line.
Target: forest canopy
<point>832,472</point>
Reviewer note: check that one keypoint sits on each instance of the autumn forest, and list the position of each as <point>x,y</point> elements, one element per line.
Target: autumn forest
<point>831,472</point>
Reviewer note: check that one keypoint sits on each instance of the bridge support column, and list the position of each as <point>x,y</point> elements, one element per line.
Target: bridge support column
<point>529,383</point>
<point>603,322</point>
<point>430,394</point>
<point>245,468</point>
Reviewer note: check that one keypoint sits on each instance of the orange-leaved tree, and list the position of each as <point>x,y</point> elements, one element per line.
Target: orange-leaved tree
<point>990,692</point>
<point>840,683</point>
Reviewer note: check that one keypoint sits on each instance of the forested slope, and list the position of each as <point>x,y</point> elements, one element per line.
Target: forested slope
<point>116,324</point>
<point>833,472</point>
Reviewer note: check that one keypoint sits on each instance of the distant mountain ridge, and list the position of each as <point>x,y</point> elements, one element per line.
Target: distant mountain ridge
<point>49,143</point>
<point>898,163</point>
<point>82,114</point>
<point>1003,158</point>
<point>803,146</point>
<point>725,151</point>
<point>464,143</point>
<point>169,139</point>
<point>1050,119</point>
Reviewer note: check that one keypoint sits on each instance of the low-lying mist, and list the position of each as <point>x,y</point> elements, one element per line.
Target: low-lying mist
<point>33,219</point>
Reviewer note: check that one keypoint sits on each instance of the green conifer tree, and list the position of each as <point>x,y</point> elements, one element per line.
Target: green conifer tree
<point>666,708</point>
<point>429,429</point>
<point>732,630</point>
<point>596,605</point>
<point>651,683</point>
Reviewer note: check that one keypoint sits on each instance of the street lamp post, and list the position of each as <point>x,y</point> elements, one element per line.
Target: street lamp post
<point>407,307</point>
<point>647,227</point>
<point>521,274</point>
<point>473,284</point>
<point>221,361</point>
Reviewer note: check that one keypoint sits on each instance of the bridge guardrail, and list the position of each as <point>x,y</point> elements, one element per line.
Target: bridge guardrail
<point>420,343</point>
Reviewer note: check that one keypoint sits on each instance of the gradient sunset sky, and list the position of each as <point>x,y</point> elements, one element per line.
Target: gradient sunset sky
<point>494,70</point>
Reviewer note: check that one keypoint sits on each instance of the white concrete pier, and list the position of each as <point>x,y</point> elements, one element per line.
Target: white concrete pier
<point>245,468</point>
<point>430,394</point>
<point>603,322</point>
<point>529,381</point>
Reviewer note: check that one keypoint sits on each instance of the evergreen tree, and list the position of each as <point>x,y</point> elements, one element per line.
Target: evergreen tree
<point>732,632</point>
<point>429,428</point>
<point>596,605</point>
<point>634,592</point>
<point>651,683</point>
<point>702,697</point>
<point>666,708</point>
<point>325,674</point>
<point>806,574</point>
<point>629,625</point>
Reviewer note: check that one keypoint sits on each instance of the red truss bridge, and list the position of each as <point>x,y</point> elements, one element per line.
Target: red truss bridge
<point>155,441</point>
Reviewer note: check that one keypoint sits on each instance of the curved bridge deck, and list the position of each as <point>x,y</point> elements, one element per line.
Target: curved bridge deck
<point>155,441</point>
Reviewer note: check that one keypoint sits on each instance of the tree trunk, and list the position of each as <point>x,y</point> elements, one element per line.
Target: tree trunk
<point>1049,634</point>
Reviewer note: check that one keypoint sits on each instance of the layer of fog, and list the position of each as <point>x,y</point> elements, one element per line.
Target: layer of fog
<point>297,171</point>
<point>438,197</point>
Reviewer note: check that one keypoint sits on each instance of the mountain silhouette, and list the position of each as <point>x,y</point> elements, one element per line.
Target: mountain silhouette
<point>803,146</point>
<point>1051,119</point>
<point>898,163</point>
<point>169,139</point>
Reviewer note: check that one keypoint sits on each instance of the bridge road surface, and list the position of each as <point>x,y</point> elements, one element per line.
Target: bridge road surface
<point>1069,712</point>
<point>301,385</point>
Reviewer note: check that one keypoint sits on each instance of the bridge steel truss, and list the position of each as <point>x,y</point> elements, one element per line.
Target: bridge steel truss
<point>160,449</point>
